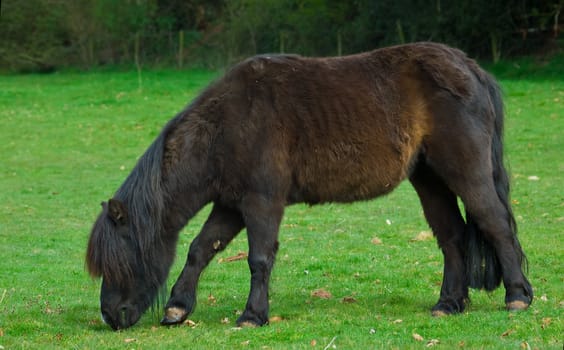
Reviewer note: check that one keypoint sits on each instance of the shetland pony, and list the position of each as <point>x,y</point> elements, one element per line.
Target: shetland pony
<point>283,129</point>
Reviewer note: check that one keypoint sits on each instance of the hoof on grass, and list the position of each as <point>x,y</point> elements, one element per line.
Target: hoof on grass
<point>516,305</point>
<point>439,313</point>
<point>174,315</point>
<point>247,324</point>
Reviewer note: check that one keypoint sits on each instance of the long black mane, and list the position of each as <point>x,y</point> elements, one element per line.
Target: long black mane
<point>143,195</point>
<point>147,194</point>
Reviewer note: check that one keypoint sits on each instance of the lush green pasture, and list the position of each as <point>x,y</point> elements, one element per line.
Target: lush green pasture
<point>68,140</point>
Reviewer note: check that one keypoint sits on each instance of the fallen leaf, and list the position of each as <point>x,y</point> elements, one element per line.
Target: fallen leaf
<point>275,319</point>
<point>525,345</point>
<point>313,342</point>
<point>417,337</point>
<point>376,241</point>
<point>246,342</point>
<point>507,332</point>
<point>397,321</point>
<point>543,297</point>
<point>190,323</point>
<point>348,300</point>
<point>533,178</point>
<point>211,299</point>
<point>432,342</point>
<point>129,340</point>
<point>321,293</point>
<point>546,322</point>
<point>225,320</point>
<point>239,256</point>
<point>422,236</point>
<point>1,332</point>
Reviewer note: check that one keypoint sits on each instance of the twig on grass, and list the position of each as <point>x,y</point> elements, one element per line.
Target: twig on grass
<point>330,343</point>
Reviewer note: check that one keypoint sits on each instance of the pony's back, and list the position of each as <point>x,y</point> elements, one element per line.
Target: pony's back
<point>342,128</point>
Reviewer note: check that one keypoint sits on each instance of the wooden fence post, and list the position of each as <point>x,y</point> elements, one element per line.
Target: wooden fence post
<point>180,48</point>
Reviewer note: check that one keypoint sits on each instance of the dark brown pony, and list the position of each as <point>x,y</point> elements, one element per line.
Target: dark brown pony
<point>280,129</point>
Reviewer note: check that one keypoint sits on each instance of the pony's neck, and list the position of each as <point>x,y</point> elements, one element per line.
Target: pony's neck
<point>179,214</point>
<point>186,171</point>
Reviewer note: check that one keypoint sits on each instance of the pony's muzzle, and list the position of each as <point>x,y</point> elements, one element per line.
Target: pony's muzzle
<point>123,317</point>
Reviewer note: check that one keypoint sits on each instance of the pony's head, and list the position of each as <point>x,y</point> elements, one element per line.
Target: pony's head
<point>132,243</point>
<point>128,248</point>
<point>132,272</point>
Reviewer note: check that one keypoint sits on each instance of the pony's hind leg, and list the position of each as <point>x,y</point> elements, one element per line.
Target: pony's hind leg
<point>465,165</point>
<point>491,218</point>
<point>222,225</point>
<point>441,211</point>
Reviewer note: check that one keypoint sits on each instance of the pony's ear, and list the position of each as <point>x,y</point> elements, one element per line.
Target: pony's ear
<point>117,212</point>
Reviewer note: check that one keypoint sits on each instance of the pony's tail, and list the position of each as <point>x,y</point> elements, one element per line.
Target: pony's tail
<point>482,263</point>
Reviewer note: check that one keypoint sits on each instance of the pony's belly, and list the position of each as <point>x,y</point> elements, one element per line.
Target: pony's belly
<point>345,188</point>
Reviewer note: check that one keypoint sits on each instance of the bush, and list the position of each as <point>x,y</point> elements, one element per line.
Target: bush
<point>44,34</point>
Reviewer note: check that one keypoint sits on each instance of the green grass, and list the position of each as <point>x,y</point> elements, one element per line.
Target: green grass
<point>69,139</point>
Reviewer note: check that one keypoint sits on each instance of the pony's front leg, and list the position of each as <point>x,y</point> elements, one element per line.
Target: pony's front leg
<point>221,227</point>
<point>262,218</point>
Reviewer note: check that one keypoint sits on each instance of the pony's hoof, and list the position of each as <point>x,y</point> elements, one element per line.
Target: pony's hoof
<point>174,315</point>
<point>247,324</point>
<point>449,307</point>
<point>250,320</point>
<point>516,305</point>
<point>439,313</point>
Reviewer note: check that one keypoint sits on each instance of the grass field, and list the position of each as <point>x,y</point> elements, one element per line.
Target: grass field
<point>68,140</point>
